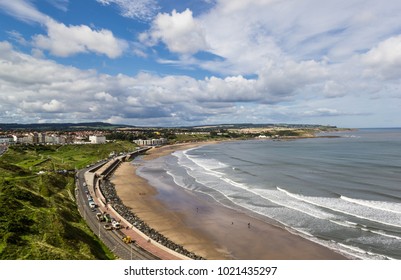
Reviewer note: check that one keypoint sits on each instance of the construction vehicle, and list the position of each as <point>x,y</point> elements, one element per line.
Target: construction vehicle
<point>127,239</point>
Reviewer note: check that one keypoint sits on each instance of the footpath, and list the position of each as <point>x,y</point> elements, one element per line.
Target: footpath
<point>93,179</point>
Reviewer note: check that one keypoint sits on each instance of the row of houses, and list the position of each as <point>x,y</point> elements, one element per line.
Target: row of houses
<point>52,139</point>
<point>151,142</point>
<point>43,138</point>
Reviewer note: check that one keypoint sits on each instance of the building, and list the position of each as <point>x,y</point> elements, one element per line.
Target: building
<point>6,140</point>
<point>55,139</point>
<point>97,139</point>
<point>151,142</point>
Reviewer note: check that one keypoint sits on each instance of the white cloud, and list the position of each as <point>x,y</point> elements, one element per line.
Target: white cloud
<point>319,112</point>
<point>65,40</point>
<point>62,40</point>
<point>245,35</point>
<point>104,96</point>
<point>17,37</point>
<point>180,32</point>
<point>139,9</point>
<point>270,60</point>
<point>384,60</point>
<point>60,4</point>
<point>229,89</point>
<point>36,89</point>
<point>23,10</point>
<point>42,89</point>
<point>281,81</point>
<point>334,89</point>
<point>53,106</point>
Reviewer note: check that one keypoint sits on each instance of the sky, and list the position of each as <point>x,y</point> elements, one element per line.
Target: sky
<point>196,62</point>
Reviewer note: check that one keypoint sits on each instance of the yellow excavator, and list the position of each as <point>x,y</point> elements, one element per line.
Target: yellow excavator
<point>127,239</point>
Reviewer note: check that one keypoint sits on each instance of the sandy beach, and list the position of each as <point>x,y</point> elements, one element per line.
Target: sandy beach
<point>205,227</point>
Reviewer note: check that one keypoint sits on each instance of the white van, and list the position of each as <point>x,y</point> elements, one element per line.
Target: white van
<point>116,224</point>
<point>92,205</point>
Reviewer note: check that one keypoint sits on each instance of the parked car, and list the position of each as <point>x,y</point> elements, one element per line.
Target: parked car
<point>116,225</point>
<point>100,217</point>
<point>108,227</point>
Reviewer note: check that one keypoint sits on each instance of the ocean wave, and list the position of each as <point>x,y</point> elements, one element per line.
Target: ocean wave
<point>344,223</point>
<point>359,253</point>
<point>298,212</point>
<point>233,190</point>
<point>349,208</point>
<point>206,163</point>
<point>200,169</point>
<point>193,162</point>
<point>204,172</point>
<point>364,228</point>
<point>380,205</point>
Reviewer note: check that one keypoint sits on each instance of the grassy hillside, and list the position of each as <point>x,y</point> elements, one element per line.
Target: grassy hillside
<point>38,215</point>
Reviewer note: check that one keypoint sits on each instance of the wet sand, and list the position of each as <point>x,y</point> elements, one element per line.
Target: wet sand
<point>205,227</point>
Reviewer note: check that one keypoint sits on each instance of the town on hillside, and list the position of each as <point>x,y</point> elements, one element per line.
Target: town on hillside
<point>153,136</point>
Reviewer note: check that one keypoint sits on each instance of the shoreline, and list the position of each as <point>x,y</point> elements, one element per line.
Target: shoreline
<point>204,227</point>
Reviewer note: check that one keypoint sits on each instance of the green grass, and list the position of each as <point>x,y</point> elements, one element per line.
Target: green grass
<point>38,215</point>
<point>196,138</point>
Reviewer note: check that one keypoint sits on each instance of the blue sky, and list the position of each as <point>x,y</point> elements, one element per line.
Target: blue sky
<point>170,63</point>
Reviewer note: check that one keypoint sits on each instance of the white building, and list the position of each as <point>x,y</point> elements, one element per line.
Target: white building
<point>6,140</point>
<point>23,139</point>
<point>55,139</point>
<point>97,139</point>
<point>151,142</point>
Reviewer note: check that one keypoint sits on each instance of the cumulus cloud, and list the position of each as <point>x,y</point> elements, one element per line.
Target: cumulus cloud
<point>180,32</point>
<point>43,89</point>
<point>384,59</point>
<point>53,106</point>
<point>104,96</point>
<point>40,90</point>
<point>65,40</point>
<point>139,9</point>
<point>283,80</point>
<point>245,35</point>
<point>62,40</point>
<point>323,61</point>
<point>38,86</point>
<point>229,89</point>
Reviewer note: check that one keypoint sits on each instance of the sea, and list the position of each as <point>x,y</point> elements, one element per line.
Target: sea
<point>343,192</point>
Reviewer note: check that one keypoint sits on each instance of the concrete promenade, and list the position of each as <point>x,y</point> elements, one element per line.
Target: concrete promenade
<point>92,179</point>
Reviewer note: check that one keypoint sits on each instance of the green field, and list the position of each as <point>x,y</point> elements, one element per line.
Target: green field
<point>38,215</point>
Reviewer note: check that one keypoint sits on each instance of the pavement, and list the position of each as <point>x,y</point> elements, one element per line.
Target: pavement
<point>142,248</point>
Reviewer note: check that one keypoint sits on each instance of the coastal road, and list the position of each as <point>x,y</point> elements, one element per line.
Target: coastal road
<point>111,238</point>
